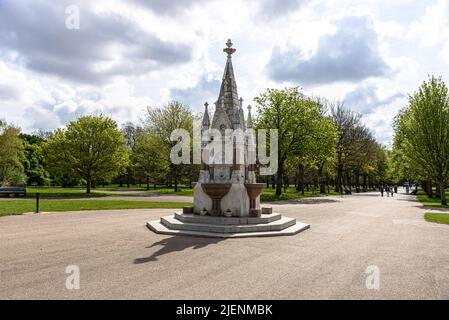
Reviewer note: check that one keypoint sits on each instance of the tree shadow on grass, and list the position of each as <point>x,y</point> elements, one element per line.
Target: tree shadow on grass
<point>301,201</point>
<point>177,243</point>
<point>416,201</point>
<point>421,206</point>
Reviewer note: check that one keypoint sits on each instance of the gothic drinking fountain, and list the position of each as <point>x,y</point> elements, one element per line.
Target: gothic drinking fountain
<point>227,195</point>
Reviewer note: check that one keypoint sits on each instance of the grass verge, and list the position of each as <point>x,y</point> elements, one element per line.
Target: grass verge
<point>16,207</point>
<point>442,218</point>
<point>56,192</point>
<point>430,202</point>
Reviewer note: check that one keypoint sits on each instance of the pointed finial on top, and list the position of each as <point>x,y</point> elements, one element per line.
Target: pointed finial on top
<point>206,121</point>
<point>249,120</point>
<point>229,50</point>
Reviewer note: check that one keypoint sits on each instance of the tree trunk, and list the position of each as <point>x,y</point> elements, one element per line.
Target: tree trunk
<point>148,182</point>
<point>296,182</point>
<point>89,184</point>
<point>176,177</point>
<point>348,181</point>
<point>279,176</point>
<point>128,177</point>
<point>443,194</point>
<point>428,188</point>
<point>321,179</point>
<point>301,178</point>
<point>437,191</point>
<point>338,181</point>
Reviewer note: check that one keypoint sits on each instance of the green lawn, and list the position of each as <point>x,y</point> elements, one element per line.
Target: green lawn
<point>58,192</point>
<point>114,187</point>
<point>15,207</point>
<point>182,188</point>
<point>431,202</point>
<point>437,217</point>
<point>79,192</point>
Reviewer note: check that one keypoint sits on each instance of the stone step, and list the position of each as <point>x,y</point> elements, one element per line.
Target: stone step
<point>191,218</point>
<point>172,223</point>
<point>159,228</point>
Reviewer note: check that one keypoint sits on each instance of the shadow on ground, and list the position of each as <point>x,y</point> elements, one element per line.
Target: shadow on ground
<point>419,205</point>
<point>429,208</point>
<point>304,201</point>
<point>177,243</point>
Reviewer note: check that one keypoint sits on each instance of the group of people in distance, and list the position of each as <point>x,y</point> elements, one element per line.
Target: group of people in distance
<point>388,189</point>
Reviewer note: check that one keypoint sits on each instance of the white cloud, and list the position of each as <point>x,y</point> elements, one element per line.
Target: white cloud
<point>133,54</point>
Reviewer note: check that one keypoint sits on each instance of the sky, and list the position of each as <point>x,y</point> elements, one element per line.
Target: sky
<point>126,55</point>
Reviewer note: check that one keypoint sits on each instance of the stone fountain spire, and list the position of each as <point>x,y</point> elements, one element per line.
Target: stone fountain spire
<point>228,90</point>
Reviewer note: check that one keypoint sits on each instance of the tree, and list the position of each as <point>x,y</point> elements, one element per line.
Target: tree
<point>162,122</point>
<point>303,132</point>
<point>90,148</point>
<point>11,155</point>
<point>148,158</point>
<point>131,133</point>
<point>33,161</point>
<point>422,132</point>
<point>357,150</point>
<point>323,143</point>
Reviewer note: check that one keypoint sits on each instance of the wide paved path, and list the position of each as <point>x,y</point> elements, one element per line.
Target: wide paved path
<point>119,258</point>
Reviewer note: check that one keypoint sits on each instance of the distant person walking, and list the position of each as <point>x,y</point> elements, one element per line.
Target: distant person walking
<point>381,190</point>
<point>387,190</point>
<point>392,191</point>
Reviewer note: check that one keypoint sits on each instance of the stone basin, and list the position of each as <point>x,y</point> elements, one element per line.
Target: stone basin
<point>254,190</point>
<point>216,191</point>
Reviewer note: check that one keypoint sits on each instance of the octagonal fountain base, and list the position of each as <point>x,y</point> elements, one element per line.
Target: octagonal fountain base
<point>220,227</point>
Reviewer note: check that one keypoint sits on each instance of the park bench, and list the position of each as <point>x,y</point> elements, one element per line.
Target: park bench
<point>16,191</point>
